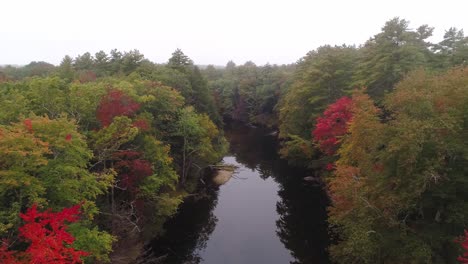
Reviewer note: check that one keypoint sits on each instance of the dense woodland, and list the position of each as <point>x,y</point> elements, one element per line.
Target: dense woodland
<point>103,148</point>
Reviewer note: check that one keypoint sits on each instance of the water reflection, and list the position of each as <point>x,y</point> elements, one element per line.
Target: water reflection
<point>187,232</point>
<point>270,217</point>
<point>301,225</point>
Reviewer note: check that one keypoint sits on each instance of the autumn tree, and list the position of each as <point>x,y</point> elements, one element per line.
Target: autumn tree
<point>464,244</point>
<point>47,238</point>
<point>115,103</point>
<point>406,173</point>
<point>333,125</point>
<point>322,77</point>
<point>45,162</point>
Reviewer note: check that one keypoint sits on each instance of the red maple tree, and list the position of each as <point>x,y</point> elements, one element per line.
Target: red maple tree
<point>332,125</point>
<point>132,169</point>
<point>115,103</point>
<point>49,241</point>
<point>142,124</point>
<point>28,125</point>
<point>464,244</point>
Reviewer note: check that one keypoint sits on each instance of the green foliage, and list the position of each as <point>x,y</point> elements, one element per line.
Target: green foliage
<point>248,93</point>
<point>164,175</point>
<point>322,77</point>
<point>66,177</point>
<point>14,102</point>
<point>45,162</point>
<point>398,190</point>
<point>452,50</point>
<point>179,61</point>
<point>66,70</point>
<point>47,96</point>
<point>82,102</point>
<point>97,243</point>
<point>389,55</point>
<point>62,155</point>
<point>198,137</point>
<point>35,68</point>
<point>398,183</point>
<point>109,139</point>
<point>298,150</point>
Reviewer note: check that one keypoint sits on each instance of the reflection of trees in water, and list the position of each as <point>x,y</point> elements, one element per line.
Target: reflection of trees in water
<point>252,147</point>
<point>188,231</point>
<point>301,226</point>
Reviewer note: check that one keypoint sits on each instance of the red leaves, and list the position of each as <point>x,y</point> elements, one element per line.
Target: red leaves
<point>47,233</point>
<point>68,137</point>
<point>378,167</point>
<point>332,125</point>
<point>330,167</point>
<point>141,124</point>
<point>9,256</point>
<point>115,103</point>
<point>132,169</point>
<point>464,243</point>
<point>28,125</point>
<point>48,237</point>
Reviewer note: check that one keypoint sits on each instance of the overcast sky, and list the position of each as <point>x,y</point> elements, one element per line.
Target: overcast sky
<point>208,31</point>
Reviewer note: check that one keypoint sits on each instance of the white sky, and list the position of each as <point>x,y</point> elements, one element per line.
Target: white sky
<point>208,31</point>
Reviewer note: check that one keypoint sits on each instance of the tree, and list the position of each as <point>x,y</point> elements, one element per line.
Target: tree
<point>202,98</point>
<point>66,69</point>
<point>109,139</point>
<point>115,103</point>
<point>464,244</point>
<point>179,61</point>
<point>101,63</point>
<point>14,102</point>
<point>131,169</point>
<point>47,96</point>
<point>333,125</point>
<point>46,162</point>
<point>115,62</point>
<point>322,77</point>
<point>36,68</point>
<point>397,189</point>
<point>48,239</point>
<point>84,62</point>
<point>198,135</point>
<point>452,50</point>
<point>164,104</point>
<point>131,60</point>
<point>389,55</point>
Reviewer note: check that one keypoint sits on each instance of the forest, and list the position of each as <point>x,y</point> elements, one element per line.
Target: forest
<point>100,151</point>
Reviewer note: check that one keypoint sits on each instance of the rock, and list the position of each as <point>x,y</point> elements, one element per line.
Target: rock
<point>315,181</point>
<point>222,176</point>
<point>311,179</point>
<point>274,133</point>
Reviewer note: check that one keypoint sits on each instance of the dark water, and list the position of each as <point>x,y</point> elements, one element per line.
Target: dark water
<point>264,214</point>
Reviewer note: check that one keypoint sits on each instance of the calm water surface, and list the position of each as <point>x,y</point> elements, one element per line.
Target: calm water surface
<point>266,213</point>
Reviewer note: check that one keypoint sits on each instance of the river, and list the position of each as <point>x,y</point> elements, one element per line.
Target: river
<point>266,213</point>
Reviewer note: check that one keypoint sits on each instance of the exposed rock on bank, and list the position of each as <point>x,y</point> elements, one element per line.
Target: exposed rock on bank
<point>222,173</point>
